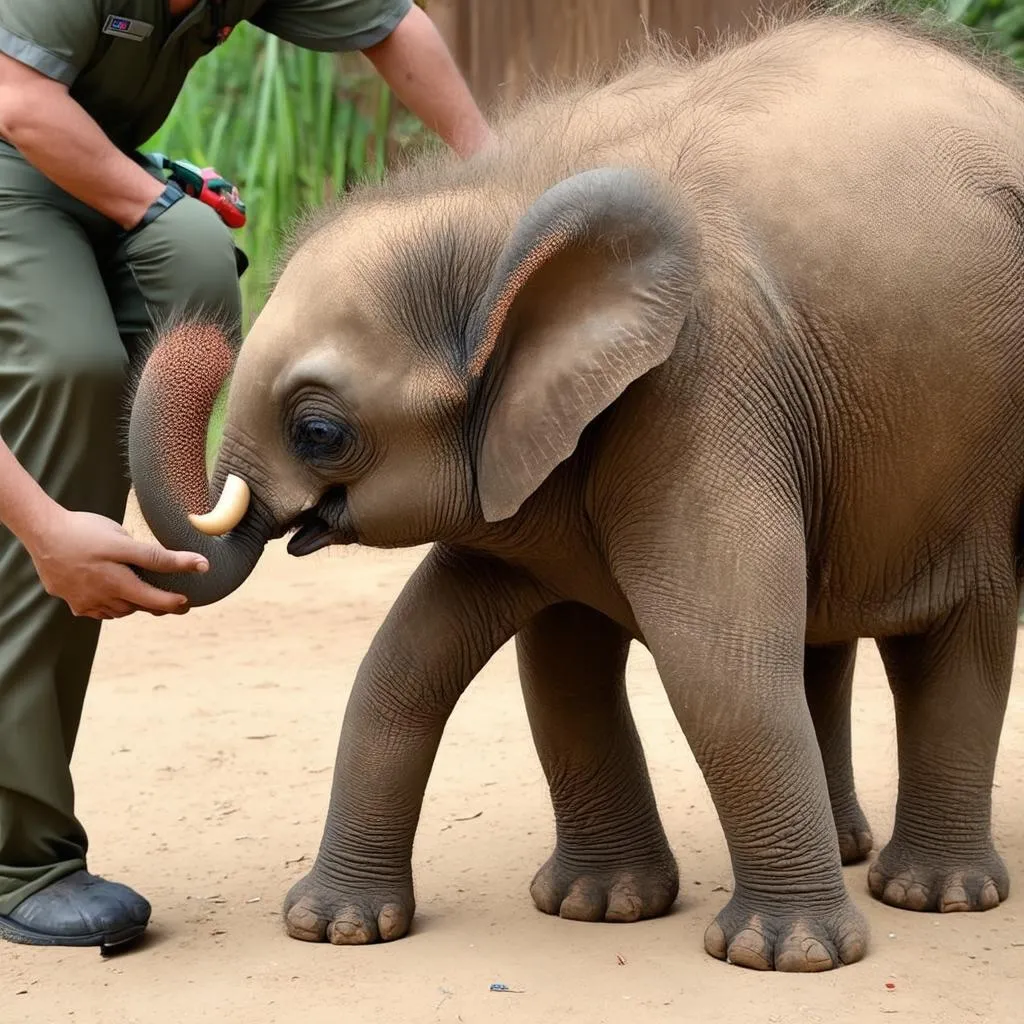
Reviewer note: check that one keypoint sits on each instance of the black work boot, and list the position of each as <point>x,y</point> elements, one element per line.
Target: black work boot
<point>78,910</point>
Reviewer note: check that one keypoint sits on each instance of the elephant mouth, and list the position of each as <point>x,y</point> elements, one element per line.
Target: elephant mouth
<point>321,526</point>
<point>311,535</point>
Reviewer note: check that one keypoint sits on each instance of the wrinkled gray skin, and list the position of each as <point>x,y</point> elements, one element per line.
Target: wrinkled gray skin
<point>727,359</point>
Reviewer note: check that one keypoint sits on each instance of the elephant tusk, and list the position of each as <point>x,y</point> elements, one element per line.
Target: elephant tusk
<point>228,513</point>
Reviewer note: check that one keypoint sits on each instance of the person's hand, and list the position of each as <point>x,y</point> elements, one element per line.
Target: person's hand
<point>84,559</point>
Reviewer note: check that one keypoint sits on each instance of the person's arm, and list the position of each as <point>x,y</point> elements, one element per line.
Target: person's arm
<point>417,65</point>
<point>405,48</point>
<point>83,558</point>
<point>57,136</point>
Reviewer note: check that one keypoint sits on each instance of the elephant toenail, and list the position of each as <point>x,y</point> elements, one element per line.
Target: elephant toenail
<point>989,895</point>
<point>714,941</point>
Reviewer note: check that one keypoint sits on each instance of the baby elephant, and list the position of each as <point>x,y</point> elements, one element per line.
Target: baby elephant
<point>725,356</point>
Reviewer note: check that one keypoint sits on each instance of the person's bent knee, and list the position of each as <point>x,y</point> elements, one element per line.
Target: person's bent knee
<point>205,270</point>
<point>184,262</point>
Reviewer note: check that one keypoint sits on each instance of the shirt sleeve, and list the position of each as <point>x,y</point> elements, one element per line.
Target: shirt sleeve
<point>56,38</point>
<point>331,24</point>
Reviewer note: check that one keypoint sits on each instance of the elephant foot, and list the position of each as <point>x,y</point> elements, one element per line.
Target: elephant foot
<point>912,880</point>
<point>854,833</point>
<point>631,891</point>
<point>800,942</point>
<point>316,910</point>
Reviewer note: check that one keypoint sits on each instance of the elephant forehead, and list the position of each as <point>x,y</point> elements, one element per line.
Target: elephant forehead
<point>347,339</point>
<point>336,278</point>
<point>353,249</point>
<point>305,340</point>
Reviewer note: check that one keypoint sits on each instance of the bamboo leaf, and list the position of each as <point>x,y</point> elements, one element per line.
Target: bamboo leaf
<point>956,9</point>
<point>287,126</point>
<point>381,130</point>
<point>346,115</point>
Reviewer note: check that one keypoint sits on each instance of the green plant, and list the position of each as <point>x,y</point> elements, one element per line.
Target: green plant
<point>290,127</point>
<point>997,23</point>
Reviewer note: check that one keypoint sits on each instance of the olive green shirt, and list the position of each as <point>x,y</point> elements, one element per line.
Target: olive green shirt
<point>125,61</point>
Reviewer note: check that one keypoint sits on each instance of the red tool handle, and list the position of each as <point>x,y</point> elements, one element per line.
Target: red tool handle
<point>225,204</point>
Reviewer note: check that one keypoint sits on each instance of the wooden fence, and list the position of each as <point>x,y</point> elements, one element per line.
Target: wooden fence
<point>500,44</point>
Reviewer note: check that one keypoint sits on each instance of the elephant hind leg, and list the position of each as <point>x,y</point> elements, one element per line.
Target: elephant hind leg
<point>612,861</point>
<point>828,683</point>
<point>950,688</point>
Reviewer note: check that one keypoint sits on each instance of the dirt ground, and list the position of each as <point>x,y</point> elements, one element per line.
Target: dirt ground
<point>203,771</point>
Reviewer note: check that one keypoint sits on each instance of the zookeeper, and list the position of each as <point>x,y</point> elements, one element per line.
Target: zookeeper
<point>94,248</point>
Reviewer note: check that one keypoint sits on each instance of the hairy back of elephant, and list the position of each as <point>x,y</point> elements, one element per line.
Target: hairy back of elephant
<point>859,193</point>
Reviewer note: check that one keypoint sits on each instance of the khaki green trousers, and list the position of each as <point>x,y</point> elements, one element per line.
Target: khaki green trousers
<point>74,302</point>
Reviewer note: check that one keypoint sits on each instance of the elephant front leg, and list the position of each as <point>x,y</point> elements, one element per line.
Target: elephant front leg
<point>360,888</point>
<point>611,861</point>
<point>730,650</point>
<point>452,615</point>
<point>790,909</point>
<point>950,689</point>
<point>828,682</point>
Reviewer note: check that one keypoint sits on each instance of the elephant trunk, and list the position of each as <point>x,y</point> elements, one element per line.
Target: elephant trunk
<point>167,431</point>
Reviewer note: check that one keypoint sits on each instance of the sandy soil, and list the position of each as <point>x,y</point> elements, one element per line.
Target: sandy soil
<point>203,772</point>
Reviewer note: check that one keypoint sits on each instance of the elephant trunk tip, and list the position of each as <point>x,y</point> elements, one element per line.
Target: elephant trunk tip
<point>179,384</point>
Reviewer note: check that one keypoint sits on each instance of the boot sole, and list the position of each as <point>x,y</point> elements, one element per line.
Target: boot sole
<point>107,941</point>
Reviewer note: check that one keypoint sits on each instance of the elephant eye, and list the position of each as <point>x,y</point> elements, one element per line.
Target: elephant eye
<point>318,439</point>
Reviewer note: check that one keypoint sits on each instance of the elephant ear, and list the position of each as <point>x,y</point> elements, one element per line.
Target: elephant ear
<point>590,292</point>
